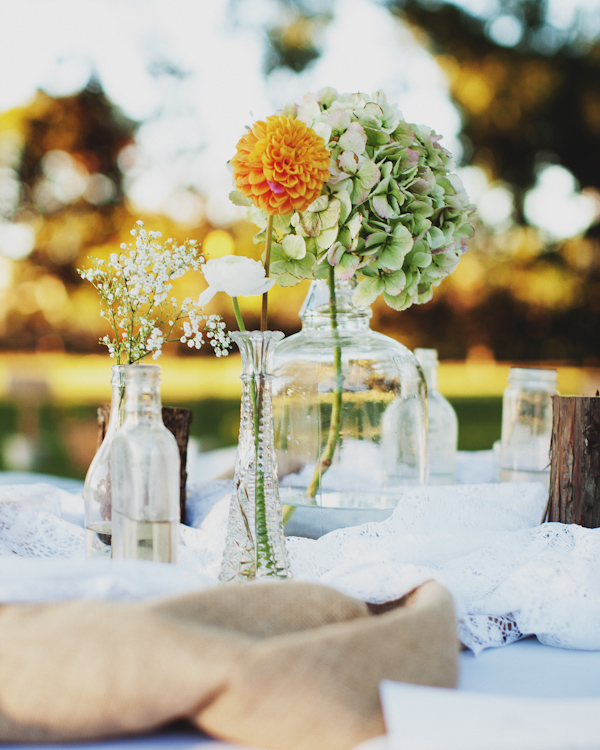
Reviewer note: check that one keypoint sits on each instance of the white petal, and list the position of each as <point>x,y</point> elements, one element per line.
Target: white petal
<point>264,287</point>
<point>206,296</point>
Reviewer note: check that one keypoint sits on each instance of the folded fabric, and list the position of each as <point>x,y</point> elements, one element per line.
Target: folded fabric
<point>287,666</point>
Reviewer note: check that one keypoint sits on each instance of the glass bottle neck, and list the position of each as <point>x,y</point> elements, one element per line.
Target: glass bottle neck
<point>117,403</point>
<point>533,379</point>
<point>142,394</point>
<point>428,359</point>
<point>319,309</point>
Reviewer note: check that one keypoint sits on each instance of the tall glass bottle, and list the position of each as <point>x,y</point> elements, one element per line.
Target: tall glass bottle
<point>442,435</point>
<point>145,474</point>
<point>349,408</point>
<point>97,489</point>
<point>527,425</point>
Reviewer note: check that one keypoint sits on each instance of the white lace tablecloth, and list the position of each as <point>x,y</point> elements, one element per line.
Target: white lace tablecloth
<point>509,575</point>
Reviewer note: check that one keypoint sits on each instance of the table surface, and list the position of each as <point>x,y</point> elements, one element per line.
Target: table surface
<point>526,668</point>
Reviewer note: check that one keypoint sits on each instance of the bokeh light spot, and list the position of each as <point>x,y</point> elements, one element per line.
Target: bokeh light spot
<point>218,243</point>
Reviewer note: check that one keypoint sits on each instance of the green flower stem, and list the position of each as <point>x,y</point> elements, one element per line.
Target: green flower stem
<point>265,297</point>
<point>262,546</point>
<point>336,410</point>
<point>238,314</point>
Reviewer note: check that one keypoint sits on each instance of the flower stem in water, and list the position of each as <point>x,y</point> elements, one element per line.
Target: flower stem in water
<point>333,437</point>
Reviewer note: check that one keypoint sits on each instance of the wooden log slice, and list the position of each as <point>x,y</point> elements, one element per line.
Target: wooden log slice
<point>575,461</point>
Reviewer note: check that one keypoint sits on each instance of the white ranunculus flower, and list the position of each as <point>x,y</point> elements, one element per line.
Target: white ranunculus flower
<point>235,275</point>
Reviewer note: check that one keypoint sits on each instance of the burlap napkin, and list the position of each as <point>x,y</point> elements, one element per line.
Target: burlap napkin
<point>288,666</point>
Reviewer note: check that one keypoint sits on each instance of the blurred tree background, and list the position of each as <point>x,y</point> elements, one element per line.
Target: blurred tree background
<point>525,85</point>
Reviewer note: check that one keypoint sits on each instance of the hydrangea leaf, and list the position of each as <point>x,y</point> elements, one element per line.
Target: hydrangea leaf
<point>354,139</point>
<point>436,238</point>
<point>420,260</point>
<point>391,257</point>
<point>335,253</point>
<point>339,120</point>
<point>424,182</point>
<point>367,291</point>
<point>394,282</point>
<point>425,295</point>
<point>308,112</point>
<point>404,134</point>
<point>327,95</point>
<point>323,129</point>
<point>423,208</point>
<point>287,271</point>
<point>368,271</point>
<point>294,247</point>
<point>319,204</point>
<point>367,177</point>
<point>345,204</point>
<point>397,301</point>
<point>310,224</point>
<point>376,137</point>
<point>347,266</point>
<point>327,237</point>
<point>239,200</point>
<point>348,162</point>
<point>354,224</point>
<point>330,216</point>
<point>377,238</point>
<point>382,207</point>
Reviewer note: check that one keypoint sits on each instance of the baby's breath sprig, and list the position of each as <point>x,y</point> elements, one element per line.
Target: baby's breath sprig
<point>135,290</point>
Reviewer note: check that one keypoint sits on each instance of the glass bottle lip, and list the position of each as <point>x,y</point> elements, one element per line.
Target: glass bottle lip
<point>118,375</point>
<point>142,372</point>
<point>426,356</point>
<point>316,306</point>
<point>540,376</point>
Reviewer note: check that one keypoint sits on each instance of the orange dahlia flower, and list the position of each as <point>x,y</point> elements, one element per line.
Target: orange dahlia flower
<point>281,165</point>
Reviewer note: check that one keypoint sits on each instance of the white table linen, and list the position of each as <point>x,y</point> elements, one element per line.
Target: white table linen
<point>509,577</point>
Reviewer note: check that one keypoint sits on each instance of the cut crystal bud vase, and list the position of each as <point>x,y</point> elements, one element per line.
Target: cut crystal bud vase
<point>350,409</point>
<point>255,544</point>
<point>97,489</point>
<point>145,474</point>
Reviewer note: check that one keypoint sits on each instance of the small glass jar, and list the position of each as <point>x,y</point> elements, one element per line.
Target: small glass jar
<point>442,434</point>
<point>145,474</point>
<point>527,425</point>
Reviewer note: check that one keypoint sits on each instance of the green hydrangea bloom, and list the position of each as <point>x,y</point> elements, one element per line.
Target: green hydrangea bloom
<point>392,214</point>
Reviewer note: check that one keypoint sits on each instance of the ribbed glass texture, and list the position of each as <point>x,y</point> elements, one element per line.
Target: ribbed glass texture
<point>97,489</point>
<point>255,544</point>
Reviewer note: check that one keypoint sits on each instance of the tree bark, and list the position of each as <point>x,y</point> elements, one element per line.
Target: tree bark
<point>177,421</point>
<point>575,461</point>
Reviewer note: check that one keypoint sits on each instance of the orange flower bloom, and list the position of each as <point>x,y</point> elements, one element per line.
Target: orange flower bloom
<point>281,165</point>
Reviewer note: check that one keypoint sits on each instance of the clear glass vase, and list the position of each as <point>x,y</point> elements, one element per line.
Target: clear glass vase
<point>97,489</point>
<point>350,409</point>
<point>255,544</point>
<point>442,435</point>
<point>145,474</point>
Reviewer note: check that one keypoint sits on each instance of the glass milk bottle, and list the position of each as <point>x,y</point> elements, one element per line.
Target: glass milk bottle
<point>145,474</point>
<point>443,423</point>
<point>527,425</point>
